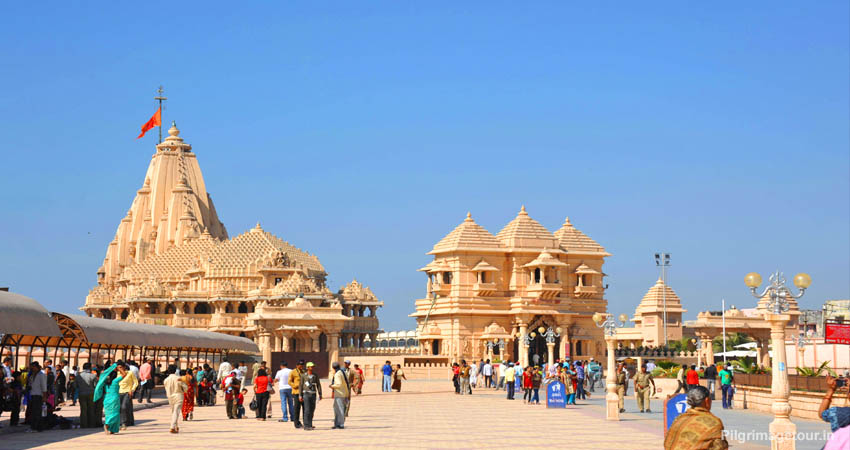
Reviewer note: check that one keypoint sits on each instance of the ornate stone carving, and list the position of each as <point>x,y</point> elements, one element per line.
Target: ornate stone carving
<point>227,287</point>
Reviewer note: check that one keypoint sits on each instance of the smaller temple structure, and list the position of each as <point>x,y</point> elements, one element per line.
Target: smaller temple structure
<point>649,318</point>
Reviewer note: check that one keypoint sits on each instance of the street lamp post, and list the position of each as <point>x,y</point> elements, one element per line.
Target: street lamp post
<point>663,260</point>
<point>609,328</point>
<point>782,430</point>
<point>698,346</point>
<point>550,335</point>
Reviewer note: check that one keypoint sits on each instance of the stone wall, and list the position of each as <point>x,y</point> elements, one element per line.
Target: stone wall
<point>803,404</point>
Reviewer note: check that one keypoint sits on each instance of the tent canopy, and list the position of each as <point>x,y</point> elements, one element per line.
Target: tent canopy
<point>22,317</point>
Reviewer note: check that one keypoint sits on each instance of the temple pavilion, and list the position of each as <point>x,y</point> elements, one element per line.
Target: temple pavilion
<point>497,296</point>
<point>171,262</point>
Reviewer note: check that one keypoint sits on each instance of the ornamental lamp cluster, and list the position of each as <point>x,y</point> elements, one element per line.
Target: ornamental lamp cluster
<point>776,290</point>
<point>607,323</point>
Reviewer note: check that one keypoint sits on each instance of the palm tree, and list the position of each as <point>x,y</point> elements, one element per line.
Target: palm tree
<point>732,339</point>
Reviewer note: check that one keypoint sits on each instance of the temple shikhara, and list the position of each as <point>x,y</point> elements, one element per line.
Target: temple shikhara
<point>502,294</point>
<point>172,263</point>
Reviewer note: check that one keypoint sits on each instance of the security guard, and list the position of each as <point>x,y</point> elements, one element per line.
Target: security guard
<point>622,385</point>
<point>642,391</point>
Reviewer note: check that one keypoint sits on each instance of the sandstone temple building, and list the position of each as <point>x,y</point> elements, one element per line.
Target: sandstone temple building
<point>172,263</point>
<point>496,295</point>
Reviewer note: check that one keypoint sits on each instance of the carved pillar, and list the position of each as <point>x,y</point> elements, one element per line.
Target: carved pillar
<point>551,347</point>
<point>333,349</point>
<point>611,398</point>
<point>278,344</point>
<point>285,338</point>
<point>265,344</point>
<point>782,430</point>
<point>314,340</point>
<point>523,349</point>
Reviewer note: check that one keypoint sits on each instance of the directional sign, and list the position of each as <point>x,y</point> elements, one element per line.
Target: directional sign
<point>556,395</point>
<point>673,407</point>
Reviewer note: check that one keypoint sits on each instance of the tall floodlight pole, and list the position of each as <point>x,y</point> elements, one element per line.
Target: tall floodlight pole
<point>782,430</point>
<point>723,319</point>
<point>662,260</point>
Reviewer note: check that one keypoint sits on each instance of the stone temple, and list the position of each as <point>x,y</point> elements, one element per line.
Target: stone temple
<point>172,263</point>
<point>497,295</point>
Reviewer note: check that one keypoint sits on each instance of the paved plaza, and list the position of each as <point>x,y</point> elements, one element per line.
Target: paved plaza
<point>427,414</point>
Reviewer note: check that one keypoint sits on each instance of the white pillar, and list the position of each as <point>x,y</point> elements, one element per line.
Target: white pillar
<point>782,430</point>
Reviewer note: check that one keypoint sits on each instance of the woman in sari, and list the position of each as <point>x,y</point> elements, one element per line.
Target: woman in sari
<point>189,395</point>
<point>398,374</point>
<point>107,388</point>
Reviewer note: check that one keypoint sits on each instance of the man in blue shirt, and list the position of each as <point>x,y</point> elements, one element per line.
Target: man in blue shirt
<point>580,381</point>
<point>387,370</point>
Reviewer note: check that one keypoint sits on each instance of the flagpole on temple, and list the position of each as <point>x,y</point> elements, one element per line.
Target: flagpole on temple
<point>160,98</point>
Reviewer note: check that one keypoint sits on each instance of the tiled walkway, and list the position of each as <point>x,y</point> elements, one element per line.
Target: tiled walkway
<point>425,415</point>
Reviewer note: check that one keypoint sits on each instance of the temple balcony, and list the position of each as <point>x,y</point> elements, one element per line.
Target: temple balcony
<point>228,320</point>
<point>544,290</point>
<point>586,291</point>
<point>192,320</point>
<point>442,289</point>
<point>362,324</point>
<point>484,289</point>
<point>156,319</point>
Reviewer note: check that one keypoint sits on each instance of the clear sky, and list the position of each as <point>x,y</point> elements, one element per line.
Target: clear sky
<point>364,132</point>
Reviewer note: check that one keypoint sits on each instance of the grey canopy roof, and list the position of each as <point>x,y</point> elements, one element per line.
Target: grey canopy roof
<point>119,333</point>
<point>21,315</point>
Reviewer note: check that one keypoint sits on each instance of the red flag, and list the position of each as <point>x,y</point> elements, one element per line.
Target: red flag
<point>155,121</point>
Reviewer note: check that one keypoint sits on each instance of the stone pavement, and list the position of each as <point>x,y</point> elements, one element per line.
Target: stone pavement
<point>427,414</point>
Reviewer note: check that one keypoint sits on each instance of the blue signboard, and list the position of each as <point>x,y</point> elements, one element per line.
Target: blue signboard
<point>556,395</point>
<point>675,406</point>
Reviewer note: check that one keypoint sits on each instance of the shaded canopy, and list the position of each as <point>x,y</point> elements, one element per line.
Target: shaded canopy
<point>22,316</point>
<point>24,322</point>
<point>106,332</point>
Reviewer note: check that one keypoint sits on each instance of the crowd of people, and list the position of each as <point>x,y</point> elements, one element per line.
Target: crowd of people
<point>579,378</point>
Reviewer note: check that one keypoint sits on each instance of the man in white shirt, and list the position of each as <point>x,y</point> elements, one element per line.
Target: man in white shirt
<point>241,372</point>
<point>488,374</point>
<point>175,387</point>
<point>285,390</point>
<point>224,369</point>
<point>502,368</point>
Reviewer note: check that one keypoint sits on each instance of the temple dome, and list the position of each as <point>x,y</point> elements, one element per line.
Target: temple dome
<point>526,232</point>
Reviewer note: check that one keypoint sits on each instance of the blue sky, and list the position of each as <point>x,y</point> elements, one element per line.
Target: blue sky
<point>363,132</point>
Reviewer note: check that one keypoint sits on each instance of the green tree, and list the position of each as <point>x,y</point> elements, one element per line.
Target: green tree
<point>732,339</point>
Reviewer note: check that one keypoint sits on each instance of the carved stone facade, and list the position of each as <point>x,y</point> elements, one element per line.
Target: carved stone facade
<point>171,263</point>
<point>499,289</point>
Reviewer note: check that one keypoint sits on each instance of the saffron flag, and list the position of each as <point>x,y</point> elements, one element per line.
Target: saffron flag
<point>155,121</point>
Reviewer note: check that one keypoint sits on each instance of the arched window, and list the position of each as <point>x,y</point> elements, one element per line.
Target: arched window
<point>537,275</point>
<point>243,308</point>
<point>323,342</point>
<point>447,278</point>
<point>124,314</point>
<point>202,308</point>
<point>169,309</point>
<point>228,308</point>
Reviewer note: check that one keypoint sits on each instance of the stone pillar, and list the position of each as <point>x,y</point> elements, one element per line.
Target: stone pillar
<point>333,349</point>
<point>782,430</point>
<point>265,345</point>
<point>551,347</point>
<point>709,350</point>
<point>801,356</point>
<point>612,406</point>
<point>314,341</point>
<point>277,343</point>
<point>523,349</point>
<point>285,337</point>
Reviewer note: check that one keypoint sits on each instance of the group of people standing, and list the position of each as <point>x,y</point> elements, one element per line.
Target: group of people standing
<point>392,377</point>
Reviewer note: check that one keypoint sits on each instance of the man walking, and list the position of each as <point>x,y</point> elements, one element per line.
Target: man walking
<point>353,380</point>
<point>126,388</point>
<point>595,370</point>
<point>580,381</point>
<point>487,370</point>
<point>146,380</point>
<point>297,400</point>
<point>509,380</point>
<point>342,393</point>
<point>622,386</point>
<point>726,379</point>
<point>282,377</point>
<point>175,387</point>
<point>86,381</point>
<point>311,392</point>
<point>387,371</point>
<point>710,374</point>
<point>642,382</point>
